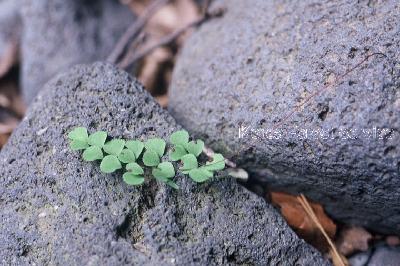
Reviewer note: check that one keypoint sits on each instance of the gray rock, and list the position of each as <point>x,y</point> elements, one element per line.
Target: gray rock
<point>58,34</point>
<point>385,256</point>
<point>57,209</point>
<point>360,259</point>
<point>251,68</point>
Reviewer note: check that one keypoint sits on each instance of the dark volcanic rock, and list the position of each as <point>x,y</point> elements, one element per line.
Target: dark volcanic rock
<point>251,68</point>
<point>387,256</point>
<point>57,209</point>
<point>58,34</point>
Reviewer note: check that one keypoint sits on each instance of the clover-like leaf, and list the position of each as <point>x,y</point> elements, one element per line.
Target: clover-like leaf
<point>150,158</point>
<point>200,175</point>
<point>164,171</point>
<point>110,164</point>
<point>77,145</point>
<point>157,145</point>
<point>189,162</point>
<point>180,137</point>
<point>132,179</point>
<point>134,168</point>
<point>218,163</point>
<point>135,146</point>
<point>114,147</point>
<point>195,148</point>
<point>127,156</point>
<point>79,133</point>
<point>97,139</point>
<point>177,153</point>
<point>92,153</point>
<point>172,184</point>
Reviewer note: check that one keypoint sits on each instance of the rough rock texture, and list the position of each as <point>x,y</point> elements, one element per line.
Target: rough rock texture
<point>58,34</point>
<point>57,209</point>
<point>251,68</point>
<point>388,256</point>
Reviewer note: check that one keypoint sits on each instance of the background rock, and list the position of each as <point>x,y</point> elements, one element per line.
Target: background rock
<point>58,34</point>
<point>252,67</point>
<point>388,256</point>
<point>10,33</point>
<point>57,209</point>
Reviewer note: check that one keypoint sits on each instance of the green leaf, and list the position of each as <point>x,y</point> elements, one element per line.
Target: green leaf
<point>110,164</point>
<point>189,163</point>
<point>132,179</point>
<point>127,156</point>
<point>79,133</point>
<point>134,168</point>
<point>157,145</point>
<point>150,158</point>
<point>92,153</point>
<point>218,163</point>
<point>164,171</point>
<point>177,153</point>
<point>172,184</point>
<point>77,145</point>
<point>195,148</point>
<point>114,147</point>
<point>98,138</point>
<point>200,175</point>
<point>135,146</point>
<point>180,137</point>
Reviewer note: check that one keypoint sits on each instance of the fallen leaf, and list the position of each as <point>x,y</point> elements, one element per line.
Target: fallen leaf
<point>352,239</point>
<point>3,139</point>
<point>393,241</point>
<point>9,57</point>
<point>155,69</point>
<point>342,261</point>
<point>298,219</point>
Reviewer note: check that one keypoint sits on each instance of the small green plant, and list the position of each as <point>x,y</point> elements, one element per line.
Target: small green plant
<point>134,155</point>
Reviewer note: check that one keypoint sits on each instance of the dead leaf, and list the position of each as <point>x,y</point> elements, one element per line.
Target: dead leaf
<point>155,69</point>
<point>352,239</point>
<point>393,241</point>
<point>336,260</point>
<point>10,97</point>
<point>162,100</point>
<point>9,57</point>
<point>3,139</point>
<point>298,219</point>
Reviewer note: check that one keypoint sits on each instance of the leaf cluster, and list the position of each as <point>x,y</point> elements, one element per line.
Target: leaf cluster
<point>133,155</point>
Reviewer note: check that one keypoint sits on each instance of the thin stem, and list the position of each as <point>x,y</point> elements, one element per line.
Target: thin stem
<point>134,29</point>
<point>132,58</point>
<point>306,206</point>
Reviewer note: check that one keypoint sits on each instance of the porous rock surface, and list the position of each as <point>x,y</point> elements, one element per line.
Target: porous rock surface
<point>250,70</point>
<point>58,34</point>
<point>57,209</point>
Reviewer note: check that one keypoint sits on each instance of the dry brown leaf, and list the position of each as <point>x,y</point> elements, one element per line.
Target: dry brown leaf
<point>338,261</point>
<point>337,258</point>
<point>353,239</point>
<point>155,69</point>
<point>8,58</point>
<point>162,100</point>
<point>10,97</point>
<point>393,240</point>
<point>298,219</point>
<point>3,139</point>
